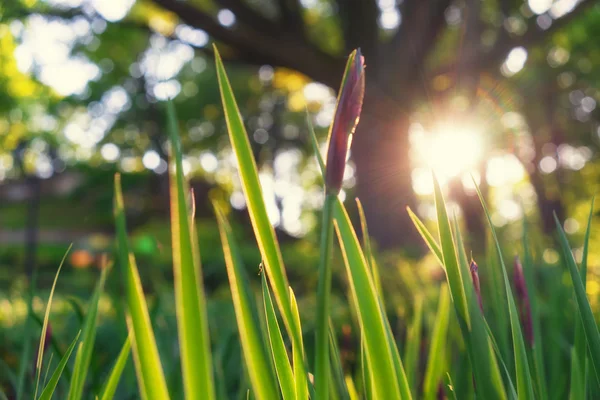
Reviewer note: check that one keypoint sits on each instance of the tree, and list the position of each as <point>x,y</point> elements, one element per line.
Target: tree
<point>403,56</point>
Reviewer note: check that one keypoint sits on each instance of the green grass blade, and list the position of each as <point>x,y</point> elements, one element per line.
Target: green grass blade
<point>252,346</point>
<point>194,342</point>
<point>590,328</point>
<point>427,237</point>
<point>413,346</point>
<point>40,357</point>
<point>524,381</point>
<point>300,376</point>
<point>368,251</point>
<point>579,355</point>
<point>436,361</point>
<point>84,354</point>
<point>51,386</point>
<point>379,353</point>
<point>151,378</point>
<point>336,366</point>
<point>110,386</point>
<point>280,357</point>
<point>263,230</point>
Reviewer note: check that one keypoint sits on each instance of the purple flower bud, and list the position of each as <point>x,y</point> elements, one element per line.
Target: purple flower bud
<point>347,113</point>
<point>475,277</point>
<point>523,301</point>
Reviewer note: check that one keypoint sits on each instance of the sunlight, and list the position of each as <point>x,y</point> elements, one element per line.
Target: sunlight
<point>448,150</point>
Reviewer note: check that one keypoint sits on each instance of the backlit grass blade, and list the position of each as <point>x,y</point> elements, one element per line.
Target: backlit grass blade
<point>51,386</point>
<point>413,345</point>
<point>300,377</point>
<point>151,378</point>
<point>427,237</point>
<point>538,350</point>
<point>590,328</point>
<point>283,368</point>
<point>436,361</point>
<point>524,381</point>
<point>249,330</point>
<point>192,323</point>
<point>263,230</point>
<point>110,386</point>
<point>379,353</point>
<point>336,366</point>
<point>578,387</point>
<point>84,354</point>
<point>368,251</point>
<point>40,356</point>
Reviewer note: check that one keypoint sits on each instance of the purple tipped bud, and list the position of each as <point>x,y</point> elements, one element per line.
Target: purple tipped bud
<point>347,113</point>
<point>523,301</point>
<point>476,285</point>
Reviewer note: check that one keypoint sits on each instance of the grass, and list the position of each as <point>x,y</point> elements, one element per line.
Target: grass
<point>447,345</point>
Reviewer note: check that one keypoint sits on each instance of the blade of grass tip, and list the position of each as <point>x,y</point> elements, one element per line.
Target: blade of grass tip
<point>379,353</point>
<point>151,378</point>
<point>368,250</point>
<point>263,230</point>
<point>381,350</point>
<point>249,331</point>
<point>84,354</point>
<point>300,376</point>
<point>40,357</point>
<point>110,386</point>
<point>194,342</point>
<point>590,328</point>
<point>51,386</point>
<point>277,346</point>
<point>413,345</point>
<point>538,350</point>
<point>366,372</point>
<point>336,365</point>
<point>437,350</point>
<point>524,381</point>
<point>578,361</point>
<point>427,237</point>
<point>450,387</point>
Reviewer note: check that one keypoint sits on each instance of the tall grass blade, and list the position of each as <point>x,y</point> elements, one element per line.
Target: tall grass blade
<point>336,366</point>
<point>368,250</point>
<point>84,354</point>
<point>192,320</point>
<point>427,237</point>
<point>51,386</point>
<point>413,346</point>
<point>300,377</point>
<point>263,230</point>
<point>524,381</point>
<point>40,356</point>
<point>579,354</point>
<point>252,346</point>
<point>151,378</point>
<point>436,362</point>
<point>283,368</point>
<point>110,386</point>
<point>590,328</point>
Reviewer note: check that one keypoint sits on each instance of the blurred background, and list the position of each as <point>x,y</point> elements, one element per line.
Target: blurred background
<point>500,92</point>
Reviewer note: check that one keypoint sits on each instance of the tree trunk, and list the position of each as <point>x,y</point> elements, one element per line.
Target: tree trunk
<point>383,174</point>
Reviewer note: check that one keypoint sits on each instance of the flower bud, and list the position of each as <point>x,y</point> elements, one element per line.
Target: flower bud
<point>475,277</point>
<point>523,301</point>
<point>347,113</point>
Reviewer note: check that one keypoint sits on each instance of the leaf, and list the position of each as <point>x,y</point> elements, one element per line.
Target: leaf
<point>436,361</point>
<point>300,377</point>
<point>277,346</point>
<point>110,386</point>
<point>254,353</point>
<point>429,239</point>
<point>192,321</point>
<point>51,386</point>
<point>40,357</point>
<point>151,378</point>
<point>585,311</point>
<point>84,354</point>
<point>524,381</point>
<point>336,366</point>
<point>368,251</point>
<point>263,230</point>
<point>413,345</point>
